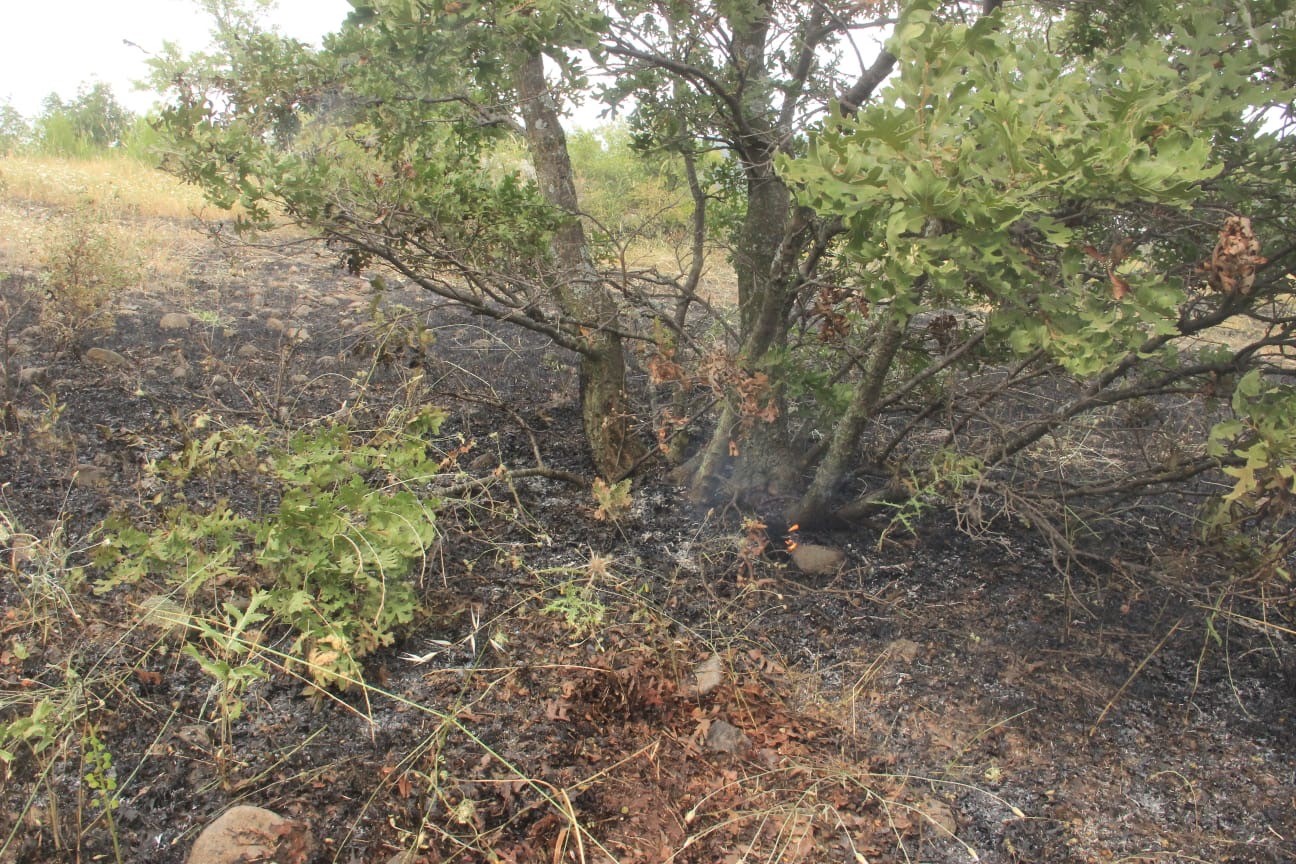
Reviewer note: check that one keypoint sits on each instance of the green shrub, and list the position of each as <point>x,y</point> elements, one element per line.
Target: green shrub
<point>86,264</point>
<point>336,552</point>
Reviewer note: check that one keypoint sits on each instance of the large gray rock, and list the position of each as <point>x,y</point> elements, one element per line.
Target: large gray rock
<point>30,376</point>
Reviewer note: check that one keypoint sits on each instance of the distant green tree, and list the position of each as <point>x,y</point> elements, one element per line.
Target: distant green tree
<point>93,121</point>
<point>14,130</point>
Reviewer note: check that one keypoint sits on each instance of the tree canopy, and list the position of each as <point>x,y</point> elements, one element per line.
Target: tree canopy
<point>970,241</point>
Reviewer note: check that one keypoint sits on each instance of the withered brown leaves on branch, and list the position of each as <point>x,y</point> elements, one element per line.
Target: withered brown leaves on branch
<point>1232,265</point>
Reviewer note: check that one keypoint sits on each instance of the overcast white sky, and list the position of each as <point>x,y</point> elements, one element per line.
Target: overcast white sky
<point>56,45</point>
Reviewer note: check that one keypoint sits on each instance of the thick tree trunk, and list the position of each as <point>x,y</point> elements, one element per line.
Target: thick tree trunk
<point>756,449</point>
<point>577,288</point>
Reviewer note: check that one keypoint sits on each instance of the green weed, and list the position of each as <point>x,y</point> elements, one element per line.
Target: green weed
<point>334,556</point>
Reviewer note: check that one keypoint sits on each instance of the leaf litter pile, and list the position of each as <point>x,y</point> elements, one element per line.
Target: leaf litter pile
<point>592,672</point>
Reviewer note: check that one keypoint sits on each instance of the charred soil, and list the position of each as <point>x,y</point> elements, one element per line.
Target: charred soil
<point>632,688</point>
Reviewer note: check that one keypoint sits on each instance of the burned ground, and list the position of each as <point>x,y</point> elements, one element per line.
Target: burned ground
<point>581,689</point>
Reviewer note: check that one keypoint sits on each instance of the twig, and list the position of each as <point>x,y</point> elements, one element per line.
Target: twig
<point>1130,680</point>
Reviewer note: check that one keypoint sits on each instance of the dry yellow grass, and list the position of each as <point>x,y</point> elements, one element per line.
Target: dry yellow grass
<point>118,183</point>
<point>146,213</point>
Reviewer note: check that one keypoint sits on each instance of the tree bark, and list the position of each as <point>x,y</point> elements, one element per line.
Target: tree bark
<point>578,291</point>
<point>813,506</point>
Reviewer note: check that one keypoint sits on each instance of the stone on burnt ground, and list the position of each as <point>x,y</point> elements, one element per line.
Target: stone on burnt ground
<point>244,833</point>
<point>175,321</point>
<point>723,737</point>
<point>815,560</point>
<point>105,357</point>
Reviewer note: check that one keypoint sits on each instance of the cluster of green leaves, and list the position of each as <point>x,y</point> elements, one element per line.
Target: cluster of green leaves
<point>1262,436</point>
<point>37,731</point>
<point>352,147</point>
<point>334,556</point>
<point>955,186</point>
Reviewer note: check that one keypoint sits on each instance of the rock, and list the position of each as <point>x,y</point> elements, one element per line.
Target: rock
<point>243,833</point>
<point>180,373</point>
<point>297,334</point>
<point>248,351</point>
<point>175,321</point>
<point>815,560</point>
<point>274,325</point>
<point>105,357</point>
<point>33,375</point>
<point>724,737</point>
<point>902,652</point>
<point>299,379</point>
<point>219,381</point>
<point>88,476</point>
<point>709,674</point>
<point>939,816</point>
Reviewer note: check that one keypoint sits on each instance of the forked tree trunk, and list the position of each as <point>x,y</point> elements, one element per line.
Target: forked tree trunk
<point>577,289</point>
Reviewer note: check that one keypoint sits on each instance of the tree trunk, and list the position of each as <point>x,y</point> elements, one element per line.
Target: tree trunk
<point>813,506</point>
<point>756,448</point>
<point>579,292</point>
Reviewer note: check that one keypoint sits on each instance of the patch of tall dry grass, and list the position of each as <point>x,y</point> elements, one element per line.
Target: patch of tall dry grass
<point>148,213</point>
<point>122,184</point>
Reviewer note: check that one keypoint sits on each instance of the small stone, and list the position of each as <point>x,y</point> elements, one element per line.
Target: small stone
<point>180,373</point>
<point>902,652</point>
<point>274,325</point>
<point>299,379</point>
<point>297,334</point>
<point>219,381</point>
<point>724,737</point>
<point>248,351</point>
<point>105,357</point>
<point>175,321</point>
<point>244,833</point>
<point>939,817</point>
<point>88,476</point>
<point>709,674</point>
<point>815,560</point>
<point>33,375</point>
